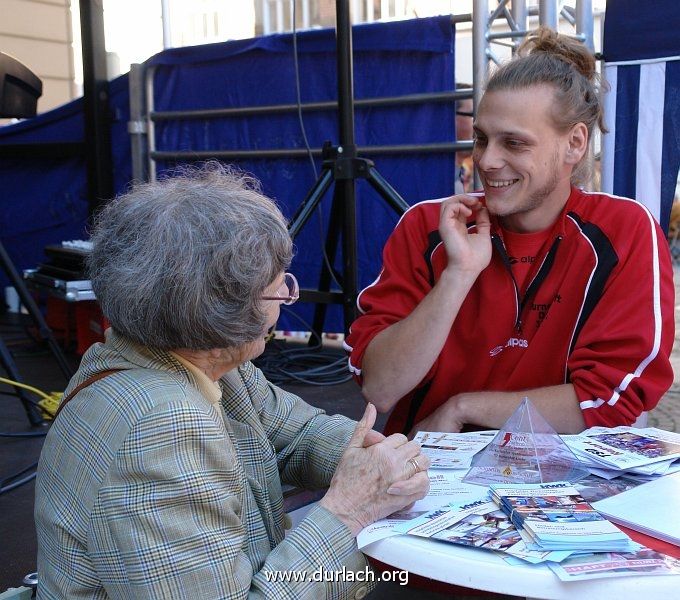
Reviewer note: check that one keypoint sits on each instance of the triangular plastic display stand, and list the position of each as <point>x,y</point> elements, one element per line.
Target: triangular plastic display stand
<point>526,450</point>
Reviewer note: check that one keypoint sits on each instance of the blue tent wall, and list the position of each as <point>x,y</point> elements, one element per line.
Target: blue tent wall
<point>45,200</point>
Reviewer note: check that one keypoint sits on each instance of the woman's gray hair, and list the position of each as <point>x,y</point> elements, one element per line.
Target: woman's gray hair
<point>183,262</point>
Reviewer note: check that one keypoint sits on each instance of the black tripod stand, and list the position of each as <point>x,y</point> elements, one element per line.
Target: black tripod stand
<point>19,92</point>
<point>342,165</point>
<point>45,332</point>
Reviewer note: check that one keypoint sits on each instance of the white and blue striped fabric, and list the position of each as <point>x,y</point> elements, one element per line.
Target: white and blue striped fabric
<point>641,152</point>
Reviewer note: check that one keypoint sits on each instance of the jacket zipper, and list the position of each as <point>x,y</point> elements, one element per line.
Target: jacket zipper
<point>536,282</point>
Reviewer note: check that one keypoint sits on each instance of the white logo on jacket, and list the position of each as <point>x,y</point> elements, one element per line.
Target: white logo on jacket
<point>513,342</point>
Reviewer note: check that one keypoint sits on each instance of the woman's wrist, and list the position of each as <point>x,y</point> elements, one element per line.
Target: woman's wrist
<point>342,514</point>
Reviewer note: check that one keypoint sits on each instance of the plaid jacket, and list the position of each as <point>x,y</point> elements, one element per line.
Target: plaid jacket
<point>145,490</point>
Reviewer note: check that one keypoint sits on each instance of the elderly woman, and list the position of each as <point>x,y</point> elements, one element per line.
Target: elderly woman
<point>161,476</point>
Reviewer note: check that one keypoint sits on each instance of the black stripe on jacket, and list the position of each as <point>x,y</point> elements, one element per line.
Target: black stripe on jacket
<point>607,259</point>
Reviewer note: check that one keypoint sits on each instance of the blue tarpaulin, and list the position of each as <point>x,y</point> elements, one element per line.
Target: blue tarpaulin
<point>45,201</point>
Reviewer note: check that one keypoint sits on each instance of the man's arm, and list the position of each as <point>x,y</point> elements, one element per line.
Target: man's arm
<point>400,356</point>
<point>558,404</point>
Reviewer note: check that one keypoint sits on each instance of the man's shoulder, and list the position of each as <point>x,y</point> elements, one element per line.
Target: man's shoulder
<point>425,211</point>
<point>610,211</point>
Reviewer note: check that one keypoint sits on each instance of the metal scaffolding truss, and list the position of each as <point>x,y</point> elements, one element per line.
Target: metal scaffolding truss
<point>505,25</point>
<point>508,23</point>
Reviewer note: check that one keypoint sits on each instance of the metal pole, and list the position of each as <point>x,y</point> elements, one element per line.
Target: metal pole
<point>347,186</point>
<point>547,13</point>
<point>306,21</point>
<point>266,17</point>
<point>165,18</point>
<point>480,57</point>
<point>480,45</point>
<point>280,26</point>
<point>137,124</point>
<point>519,13</point>
<point>96,104</point>
<point>150,126</point>
<point>584,22</point>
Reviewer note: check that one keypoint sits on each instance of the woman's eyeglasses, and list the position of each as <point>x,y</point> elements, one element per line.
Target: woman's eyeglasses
<point>289,291</point>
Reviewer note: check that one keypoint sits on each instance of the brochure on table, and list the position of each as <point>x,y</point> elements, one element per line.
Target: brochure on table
<point>625,448</point>
<point>445,486</point>
<point>615,564</point>
<point>452,450</point>
<point>554,516</point>
<point>480,524</point>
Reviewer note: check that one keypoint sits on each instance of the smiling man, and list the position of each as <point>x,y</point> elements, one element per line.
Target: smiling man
<point>534,288</point>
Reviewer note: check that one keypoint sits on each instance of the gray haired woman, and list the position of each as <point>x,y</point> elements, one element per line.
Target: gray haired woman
<point>161,476</point>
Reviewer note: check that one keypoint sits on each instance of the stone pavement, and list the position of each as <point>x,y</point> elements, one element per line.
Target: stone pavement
<point>667,414</point>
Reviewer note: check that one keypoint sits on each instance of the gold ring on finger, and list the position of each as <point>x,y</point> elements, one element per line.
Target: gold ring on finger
<point>414,463</point>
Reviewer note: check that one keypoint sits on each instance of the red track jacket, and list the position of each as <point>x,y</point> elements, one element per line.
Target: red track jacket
<point>598,312</point>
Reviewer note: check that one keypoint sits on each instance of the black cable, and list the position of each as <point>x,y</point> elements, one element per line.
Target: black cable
<point>312,365</point>
<point>6,488</point>
<point>331,270</point>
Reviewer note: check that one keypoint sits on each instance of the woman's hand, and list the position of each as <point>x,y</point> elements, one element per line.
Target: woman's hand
<point>466,252</point>
<point>374,481</point>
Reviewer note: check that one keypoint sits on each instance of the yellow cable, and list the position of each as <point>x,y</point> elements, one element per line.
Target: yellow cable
<point>48,404</point>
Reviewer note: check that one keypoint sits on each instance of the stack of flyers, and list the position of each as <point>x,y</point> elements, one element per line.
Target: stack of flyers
<point>452,450</point>
<point>554,516</point>
<point>480,524</point>
<point>608,452</point>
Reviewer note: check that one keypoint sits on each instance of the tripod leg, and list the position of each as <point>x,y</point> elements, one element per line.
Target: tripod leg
<point>388,193</point>
<point>34,311</point>
<point>350,271</point>
<point>325,277</point>
<point>304,212</point>
<point>32,412</point>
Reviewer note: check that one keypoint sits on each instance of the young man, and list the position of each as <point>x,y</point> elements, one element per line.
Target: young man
<point>535,288</point>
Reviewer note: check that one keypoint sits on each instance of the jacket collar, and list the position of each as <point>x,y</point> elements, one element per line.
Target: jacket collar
<point>119,352</point>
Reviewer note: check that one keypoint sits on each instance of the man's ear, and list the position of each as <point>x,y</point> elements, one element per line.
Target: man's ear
<point>578,143</point>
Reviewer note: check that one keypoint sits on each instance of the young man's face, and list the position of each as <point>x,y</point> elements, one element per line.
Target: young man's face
<point>524,162</point>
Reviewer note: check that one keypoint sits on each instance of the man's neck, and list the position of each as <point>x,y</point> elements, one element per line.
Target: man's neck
<point>542,217</point>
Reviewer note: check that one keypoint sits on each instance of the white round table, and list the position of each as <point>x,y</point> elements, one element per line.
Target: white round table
<point>485,570</point>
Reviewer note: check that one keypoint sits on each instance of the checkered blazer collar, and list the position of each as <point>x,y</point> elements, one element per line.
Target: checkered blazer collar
<point>119,352</point>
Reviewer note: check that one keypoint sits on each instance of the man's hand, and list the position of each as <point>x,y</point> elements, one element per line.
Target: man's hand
<point>558,404</point>
<point>466,252</point>
<point>447,417</point>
